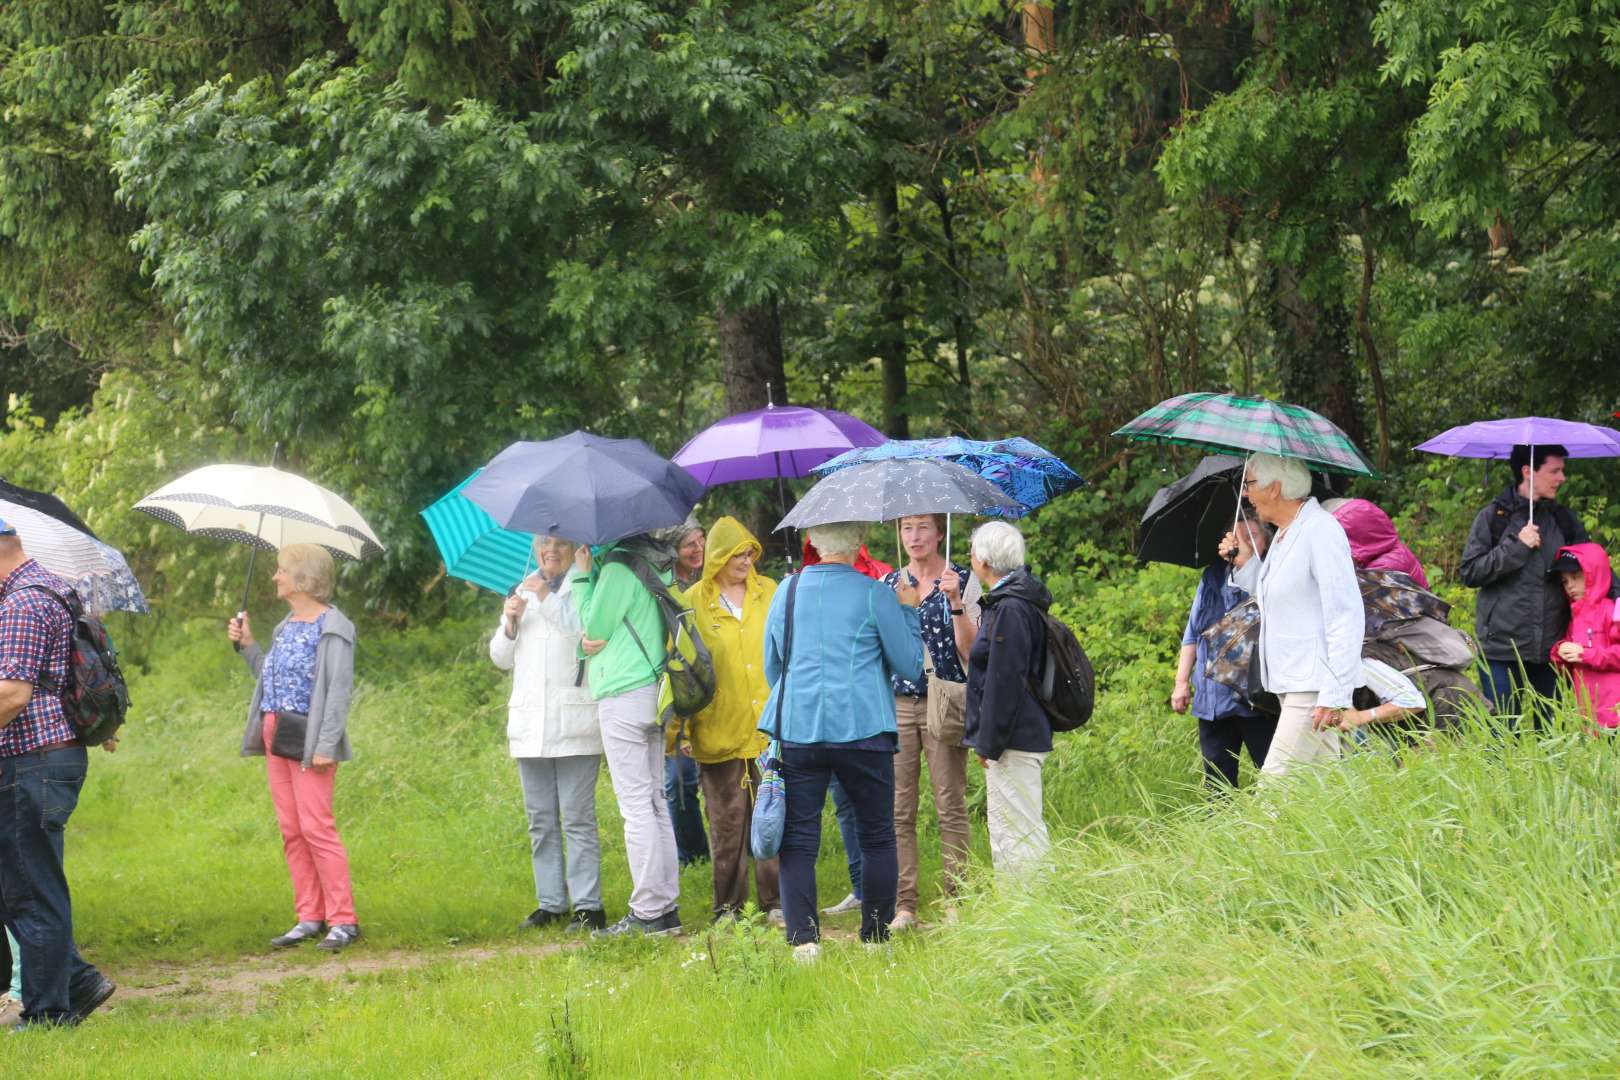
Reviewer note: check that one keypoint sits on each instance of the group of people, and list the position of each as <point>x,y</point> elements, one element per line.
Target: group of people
<point>858,672</point>
<point>1545,613</point>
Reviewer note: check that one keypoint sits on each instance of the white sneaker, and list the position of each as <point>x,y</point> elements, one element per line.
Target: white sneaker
<point>808,953</point>
<point>903,921</point>
<point>848,903</point>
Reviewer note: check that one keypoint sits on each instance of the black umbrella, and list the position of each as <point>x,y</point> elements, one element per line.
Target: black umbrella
<point>49,505</point>
<point>1186,519</point>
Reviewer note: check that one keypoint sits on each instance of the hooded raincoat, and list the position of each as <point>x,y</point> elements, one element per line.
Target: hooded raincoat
<point>1591,626</point>
<point>1374,543</point>
<point>729,728</point>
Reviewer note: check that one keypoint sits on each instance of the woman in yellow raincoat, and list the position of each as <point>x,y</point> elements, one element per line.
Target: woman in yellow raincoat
<point>731,603</point>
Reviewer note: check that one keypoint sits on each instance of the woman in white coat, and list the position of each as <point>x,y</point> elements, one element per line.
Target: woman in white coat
<point>552,733</point>
<point>1311,616</point>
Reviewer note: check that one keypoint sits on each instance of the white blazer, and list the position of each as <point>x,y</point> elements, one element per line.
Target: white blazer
<point>547,715</point>
<point>1311,617</point>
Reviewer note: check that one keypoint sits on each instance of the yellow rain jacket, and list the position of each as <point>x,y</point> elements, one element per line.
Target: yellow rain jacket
<point>728,728</point>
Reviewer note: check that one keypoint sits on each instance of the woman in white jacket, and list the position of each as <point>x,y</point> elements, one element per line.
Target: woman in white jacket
<point>552,733</point>
<point>1311,616</point>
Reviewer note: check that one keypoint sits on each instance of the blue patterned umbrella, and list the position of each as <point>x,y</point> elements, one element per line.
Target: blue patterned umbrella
<point>476,549</point>
<point>1025,472</point>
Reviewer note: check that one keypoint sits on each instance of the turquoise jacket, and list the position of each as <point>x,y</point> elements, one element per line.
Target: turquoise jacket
<point>850,634</point>
<point>605,599</point>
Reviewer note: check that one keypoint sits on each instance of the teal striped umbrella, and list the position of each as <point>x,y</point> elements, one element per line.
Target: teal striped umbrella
<point>1226,422</point>
<point>474,548</point>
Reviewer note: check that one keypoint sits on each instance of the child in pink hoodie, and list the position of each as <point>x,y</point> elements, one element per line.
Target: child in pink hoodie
<point>1590,652</point>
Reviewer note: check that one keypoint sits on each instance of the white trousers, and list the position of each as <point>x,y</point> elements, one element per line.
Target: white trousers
<point>633,744</point>
<point>1012,801</point>
<point>1295,742</point>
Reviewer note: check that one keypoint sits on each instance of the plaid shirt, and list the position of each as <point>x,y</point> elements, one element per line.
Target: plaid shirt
<point>36,638</point>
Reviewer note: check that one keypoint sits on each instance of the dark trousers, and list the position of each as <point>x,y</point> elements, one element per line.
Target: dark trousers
<point>1507,686</point>
<point>38,792</point>
<point>681,793</point>
<point>728,793</point>
<point>851,834</point>
<point>867,777</point>
<point>1220,740</point>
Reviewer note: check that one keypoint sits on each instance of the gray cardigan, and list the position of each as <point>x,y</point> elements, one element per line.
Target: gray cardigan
<point>328,733</point>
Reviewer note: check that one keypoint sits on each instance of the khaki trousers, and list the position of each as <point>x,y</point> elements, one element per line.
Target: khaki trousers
<point>1012,803</point>
<point>947,774</point>
<point>731,816</point>
<point>1295,743</point>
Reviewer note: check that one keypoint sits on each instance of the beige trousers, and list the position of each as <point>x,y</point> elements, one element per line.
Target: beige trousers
<point>1012,802</point>
<point>1295,743</point>
<point>947,774</point>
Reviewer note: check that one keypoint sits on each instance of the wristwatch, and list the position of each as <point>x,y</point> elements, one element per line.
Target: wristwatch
<point>958,611</point>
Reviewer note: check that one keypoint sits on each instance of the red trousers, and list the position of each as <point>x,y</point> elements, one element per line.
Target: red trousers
<point>316,861</point>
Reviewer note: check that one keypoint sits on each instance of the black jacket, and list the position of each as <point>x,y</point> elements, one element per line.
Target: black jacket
<point>1521,612</point>
<point>1002,713</point>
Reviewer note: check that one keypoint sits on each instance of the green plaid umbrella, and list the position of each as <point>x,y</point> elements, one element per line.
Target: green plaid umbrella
<point>1224,422</point>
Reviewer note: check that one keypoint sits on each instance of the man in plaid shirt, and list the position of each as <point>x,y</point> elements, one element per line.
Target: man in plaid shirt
<point>42,767</point>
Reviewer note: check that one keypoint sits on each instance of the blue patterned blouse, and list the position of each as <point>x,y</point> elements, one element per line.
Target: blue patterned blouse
<point>938,634</point>
<point>289,668</point>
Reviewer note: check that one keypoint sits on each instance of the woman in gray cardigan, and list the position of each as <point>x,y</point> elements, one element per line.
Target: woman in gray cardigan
<point>298,722</point>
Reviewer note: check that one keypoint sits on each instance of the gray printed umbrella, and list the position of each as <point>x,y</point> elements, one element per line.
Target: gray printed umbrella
<point>895,488</point>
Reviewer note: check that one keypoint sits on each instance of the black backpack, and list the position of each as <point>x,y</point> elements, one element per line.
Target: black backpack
<point>1067,689</point>
<point>688,664</point>
<point>96,697</point>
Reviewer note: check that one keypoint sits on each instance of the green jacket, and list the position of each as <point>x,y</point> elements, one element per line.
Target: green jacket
<point>605,598</point>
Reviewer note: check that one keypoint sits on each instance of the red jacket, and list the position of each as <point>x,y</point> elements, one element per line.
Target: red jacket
<point>1591,626</point>
<point>867,565</point>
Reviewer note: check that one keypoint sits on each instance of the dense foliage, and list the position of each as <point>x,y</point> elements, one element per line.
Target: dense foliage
<point>395,236</point>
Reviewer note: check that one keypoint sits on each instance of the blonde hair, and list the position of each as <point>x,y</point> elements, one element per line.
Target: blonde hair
<point>310,567</point>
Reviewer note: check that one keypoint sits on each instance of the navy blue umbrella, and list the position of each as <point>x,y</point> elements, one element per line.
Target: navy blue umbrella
<point>585,488</point>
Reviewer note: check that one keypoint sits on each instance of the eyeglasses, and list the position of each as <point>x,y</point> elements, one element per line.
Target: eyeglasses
<point>1247,480</point>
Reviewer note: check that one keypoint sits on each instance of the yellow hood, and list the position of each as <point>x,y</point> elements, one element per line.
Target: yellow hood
<point>727,539</point>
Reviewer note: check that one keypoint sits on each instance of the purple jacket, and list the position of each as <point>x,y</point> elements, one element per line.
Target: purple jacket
<point>1374,543</point>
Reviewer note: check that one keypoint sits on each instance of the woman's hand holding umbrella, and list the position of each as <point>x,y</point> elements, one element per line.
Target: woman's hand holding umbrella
<point>240,631</point>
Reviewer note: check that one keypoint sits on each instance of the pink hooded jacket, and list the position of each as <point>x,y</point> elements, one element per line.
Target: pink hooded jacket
<point>1591,626</point>
<point>1374,543</point>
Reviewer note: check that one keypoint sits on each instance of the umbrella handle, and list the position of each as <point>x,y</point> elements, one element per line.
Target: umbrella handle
<point>253,552</point>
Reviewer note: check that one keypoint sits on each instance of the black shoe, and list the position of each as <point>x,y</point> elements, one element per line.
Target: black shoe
<point>341,936</point>
<point>587,919</point>
<point>540,918</point>
<point>304,931</point>
<point>90,1002</point>
<point>668,923</point>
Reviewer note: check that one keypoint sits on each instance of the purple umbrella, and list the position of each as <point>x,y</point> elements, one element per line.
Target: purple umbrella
<point>1497,438</point>
<point>774,442</point>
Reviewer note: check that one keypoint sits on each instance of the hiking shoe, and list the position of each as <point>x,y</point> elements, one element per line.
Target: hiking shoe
<point>79,1008</point>
<point>10,1011</point>
<point>903,920</point>
<point>848,903</point>
<point>587,919</point>
<point>667,923</point>
<point>777,919</point>
<point>304,931</point>
<point>540,918</point>
<point>340,937</point>
<point>808,953</point>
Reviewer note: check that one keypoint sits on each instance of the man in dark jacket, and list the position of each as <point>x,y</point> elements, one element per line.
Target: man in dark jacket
<point>1005,724</point>
<point>1521,612</point>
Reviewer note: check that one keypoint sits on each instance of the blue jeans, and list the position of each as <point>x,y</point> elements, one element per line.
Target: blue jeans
<point>38,792</point>
<point>1504,680</point>
<point>867,777</point>
<point>681,793</point>
<point>849,832</point>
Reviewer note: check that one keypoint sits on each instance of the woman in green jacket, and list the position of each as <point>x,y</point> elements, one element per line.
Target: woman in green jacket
<point>623,640</point>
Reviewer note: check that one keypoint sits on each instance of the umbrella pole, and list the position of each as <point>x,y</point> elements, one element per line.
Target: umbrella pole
<point>947,540</point>
<point>1532,483</point>
<point>253,552</point>
<point>790,534</point>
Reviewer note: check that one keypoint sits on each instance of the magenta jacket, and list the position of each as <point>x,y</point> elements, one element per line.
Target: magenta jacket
<point>1591,626</point>
<point>1374,543</point>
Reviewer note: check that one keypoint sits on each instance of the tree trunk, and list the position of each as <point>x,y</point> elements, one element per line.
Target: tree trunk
<point>751,356</point>
<point>1313,352</point>
<point>1375,366</point>
<point>890,333</point>
<point>959,314</point>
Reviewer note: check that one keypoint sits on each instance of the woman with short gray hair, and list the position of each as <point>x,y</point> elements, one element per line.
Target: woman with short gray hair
<point>1007,726</point>
<point>1311,616</point>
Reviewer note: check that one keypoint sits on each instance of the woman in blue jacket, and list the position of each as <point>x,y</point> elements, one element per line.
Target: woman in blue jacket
<point>832,708</point>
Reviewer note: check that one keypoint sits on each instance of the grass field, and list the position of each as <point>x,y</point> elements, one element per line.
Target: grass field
<point>1446,916</point>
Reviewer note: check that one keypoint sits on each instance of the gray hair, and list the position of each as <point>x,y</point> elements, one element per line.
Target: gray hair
<point>837,538</point>
<point>1268,469</point>
<point>999,546</point>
